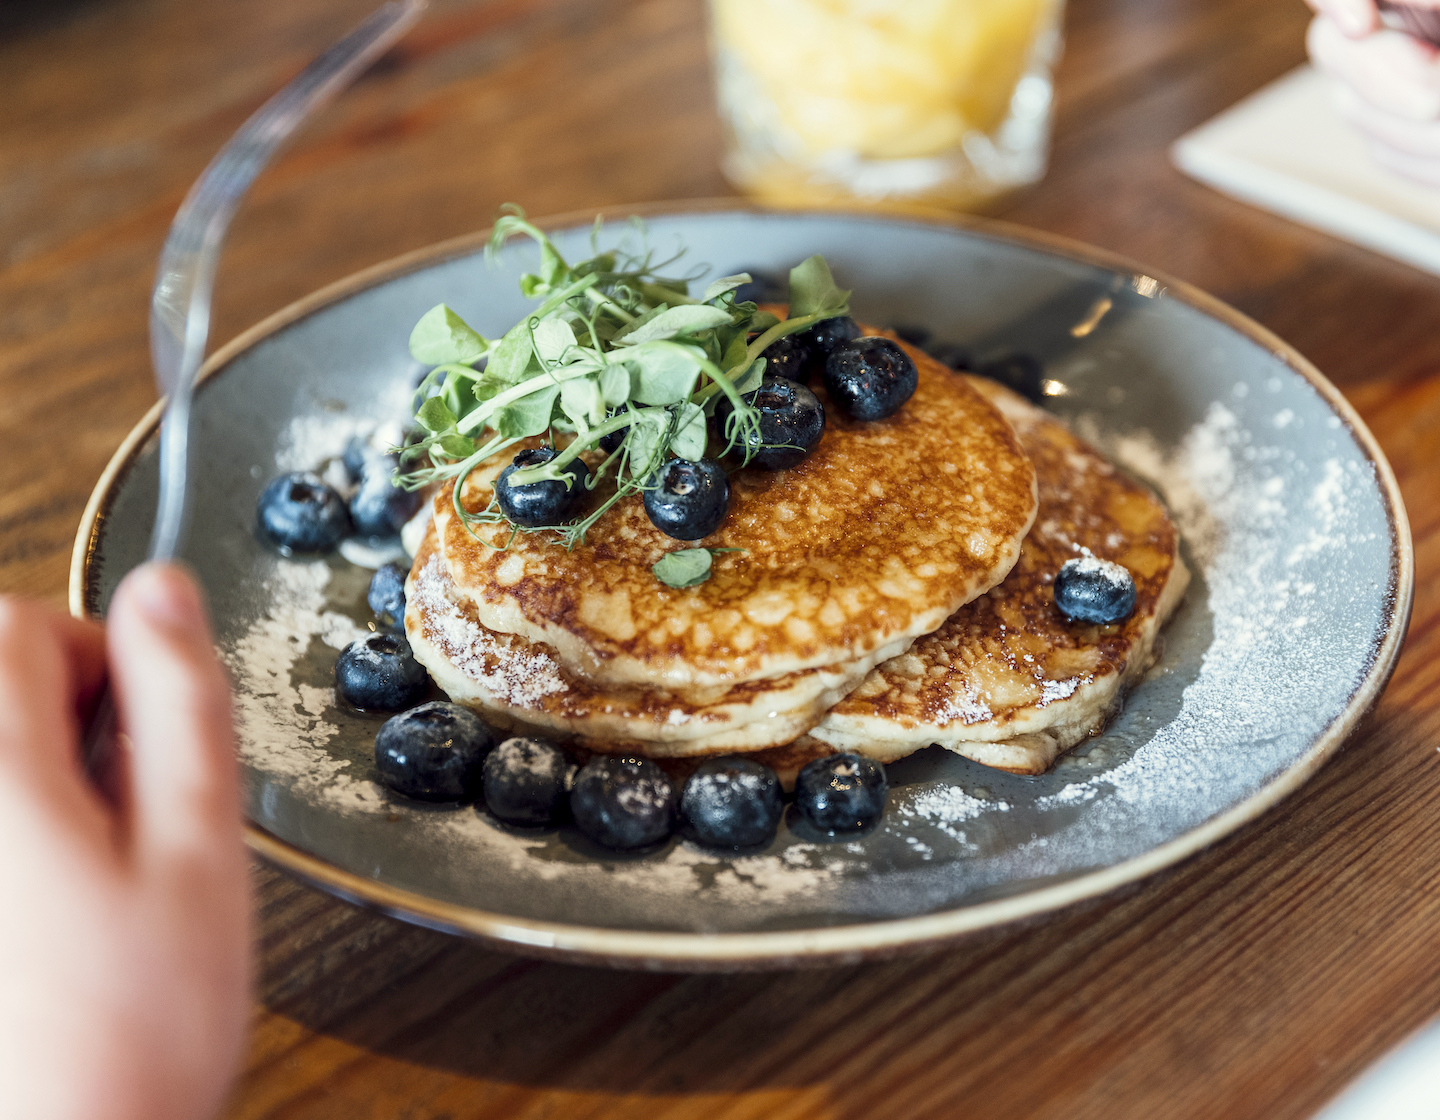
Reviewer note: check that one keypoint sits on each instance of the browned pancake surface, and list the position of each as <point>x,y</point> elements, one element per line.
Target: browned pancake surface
<point>1009,663</point>
<point>875,538</point>
<point>521,685</point>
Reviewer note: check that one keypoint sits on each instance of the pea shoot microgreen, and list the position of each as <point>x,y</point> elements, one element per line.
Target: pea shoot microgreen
<point>614,346</point>
<point>687,567</point>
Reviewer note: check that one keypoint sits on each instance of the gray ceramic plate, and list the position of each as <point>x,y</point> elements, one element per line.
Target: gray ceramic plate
<point>1292,523</point>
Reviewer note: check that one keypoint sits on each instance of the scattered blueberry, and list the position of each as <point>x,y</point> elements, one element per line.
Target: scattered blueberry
<point>434,752</point>
<point>764,287</point>
<point>387,594</point>
<point>527,781</point>
<point>623,802</point>
<point>378,673</point>
<point>1089,589</point>
<point>541,503</point>
<point>841,792</point>
<point>688,499</point>
<point>951,354</point>
<point>300,512</point>
<point>358,452</point>
<point>792,420</point>
<point>380,508</point>
<point>732,803</point>
<point>1021,373</point>
<point>791,357</point>
<point>870,378</point>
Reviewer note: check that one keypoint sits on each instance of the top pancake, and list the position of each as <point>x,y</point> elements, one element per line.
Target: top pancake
<point>883,532</point>
<point>1008,680</point>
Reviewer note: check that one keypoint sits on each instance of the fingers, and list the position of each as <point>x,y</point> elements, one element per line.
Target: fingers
<point>1354,18</point>
<point>173,700</point>
<point>1393,71</point>
<point>44,658</point>
<point>83,644</point>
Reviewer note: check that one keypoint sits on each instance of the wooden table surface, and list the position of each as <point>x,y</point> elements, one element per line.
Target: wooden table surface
<point>1252,981</point>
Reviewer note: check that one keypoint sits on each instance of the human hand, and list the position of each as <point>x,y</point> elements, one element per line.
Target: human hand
<point>126,939</point>
<point>1390,83</point>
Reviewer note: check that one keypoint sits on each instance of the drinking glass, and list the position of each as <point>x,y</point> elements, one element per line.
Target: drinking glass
<point>893,103</point>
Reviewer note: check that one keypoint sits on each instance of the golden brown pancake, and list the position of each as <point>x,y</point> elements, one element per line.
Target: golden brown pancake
<point>876,538</point>
<point>1008,680</point>
<point>522,686</point>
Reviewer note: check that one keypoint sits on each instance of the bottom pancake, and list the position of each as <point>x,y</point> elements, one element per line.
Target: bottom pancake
<point>1008,680</point>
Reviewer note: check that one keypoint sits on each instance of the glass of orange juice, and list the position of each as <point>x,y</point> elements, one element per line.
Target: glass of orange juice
<point>894,103</point>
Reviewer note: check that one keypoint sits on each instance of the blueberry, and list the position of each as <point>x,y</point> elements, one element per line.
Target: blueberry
<point>541,503</point>
<point>765,286</point>
<point>623,802</point>
<point>1093,590</point>
<point>527,781</point>
<point>434,752</point>
<point>827,334</point>
<point>870,378</point>
<point>610,442</point>
<point>300,512</point>
<point>380,508</point>
<point>688,500</point>
<point>357,453</point>
<point>732,803</point>
<point>841,792</point>
<point>1021,373</point>
<point>378,673</point>
<point>792,420</point>
<point>387,594</point>
<point>791,357</point>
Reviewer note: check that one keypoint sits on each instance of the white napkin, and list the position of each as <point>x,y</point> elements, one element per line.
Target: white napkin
<point>1287,149</point>
<point>1402,1085</point>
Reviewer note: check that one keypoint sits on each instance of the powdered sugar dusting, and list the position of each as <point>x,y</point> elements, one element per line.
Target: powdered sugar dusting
<point>1090,565</point>
<point>965,706</point>
<point>943,808</point>
<point>1241,505</point>
<point>520,677</point>
<point>284,725</point>
<point>1058,690</point>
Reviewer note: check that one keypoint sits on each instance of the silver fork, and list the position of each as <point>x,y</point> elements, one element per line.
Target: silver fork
<point>185,277</point>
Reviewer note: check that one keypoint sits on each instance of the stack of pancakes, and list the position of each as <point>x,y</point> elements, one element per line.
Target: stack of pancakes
<point>892,591</point>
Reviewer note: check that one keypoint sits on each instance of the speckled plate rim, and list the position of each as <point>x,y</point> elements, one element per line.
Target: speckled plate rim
<point>832,945</point>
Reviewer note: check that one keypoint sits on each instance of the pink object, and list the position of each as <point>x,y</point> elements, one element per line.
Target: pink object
<point>1422,22</point>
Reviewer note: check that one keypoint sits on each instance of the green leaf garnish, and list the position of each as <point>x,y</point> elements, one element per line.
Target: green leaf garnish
<point>457,446</point>
<point>614,346</point>
<point>813,290</point>
<point>442,337</point>
<point>686,567</point>
<point>436,415</point>
<point>686,319</point>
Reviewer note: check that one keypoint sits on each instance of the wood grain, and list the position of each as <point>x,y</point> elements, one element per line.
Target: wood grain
<point>1253,981</point>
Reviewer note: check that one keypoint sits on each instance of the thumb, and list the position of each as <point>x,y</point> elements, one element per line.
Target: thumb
<point>173,700</point>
